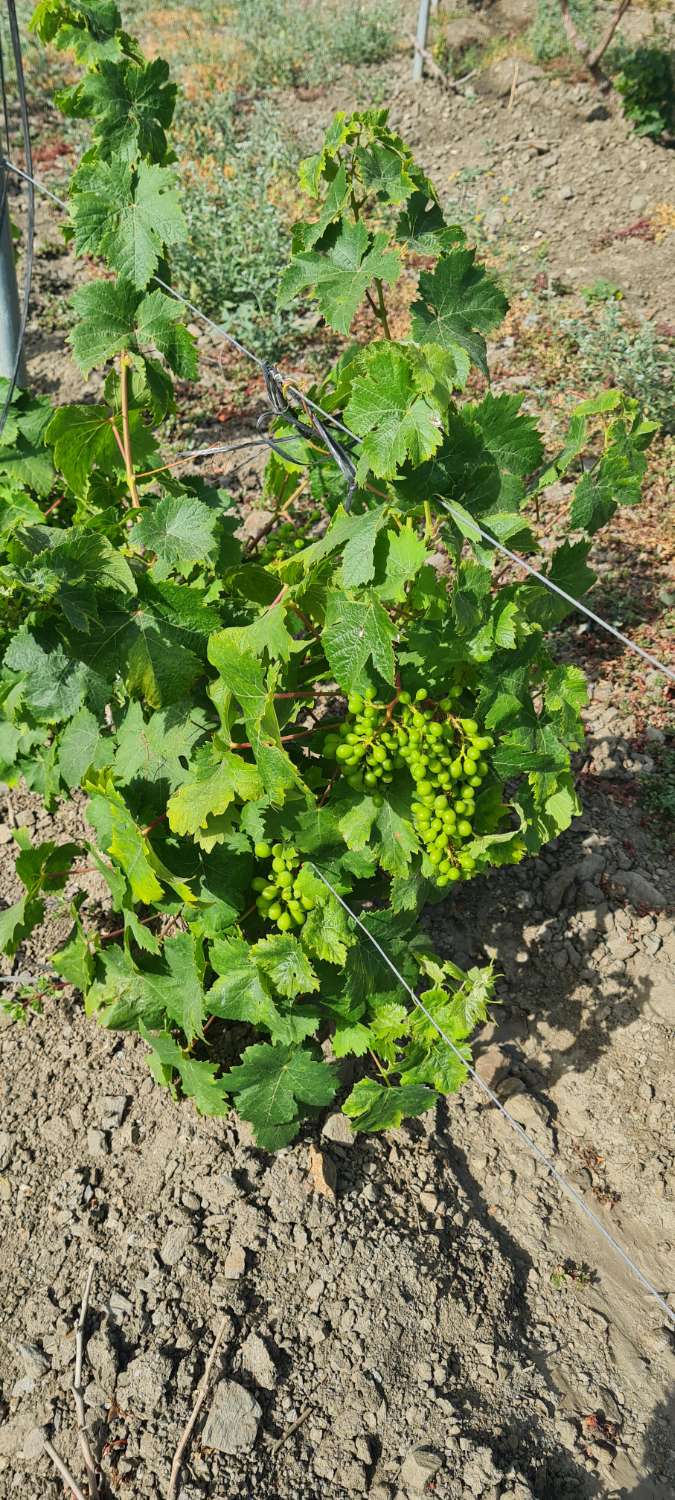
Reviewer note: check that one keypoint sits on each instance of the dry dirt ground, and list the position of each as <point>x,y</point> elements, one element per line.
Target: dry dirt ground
<point>446,1325</point>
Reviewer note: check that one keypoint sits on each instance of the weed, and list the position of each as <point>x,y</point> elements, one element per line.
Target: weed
<point>646,83</point>
<point>295,44</point>
<point>657,789</point>
<point>601,291</point>
<point>237,220</point>
<point>547,34</point>
<point>633,358</point>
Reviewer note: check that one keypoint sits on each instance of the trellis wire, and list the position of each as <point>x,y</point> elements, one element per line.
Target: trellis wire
<point>653,661</point>
<point>546,1161</point>
<point>15,38</point>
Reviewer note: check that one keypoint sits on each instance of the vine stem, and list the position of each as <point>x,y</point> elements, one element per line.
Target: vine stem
<point>202,1393</point>
<point>381,309</point>
<point>302,734</point>
<point>126,431</point>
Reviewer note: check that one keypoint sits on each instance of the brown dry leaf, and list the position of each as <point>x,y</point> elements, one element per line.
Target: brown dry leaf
<point>322,1173</point>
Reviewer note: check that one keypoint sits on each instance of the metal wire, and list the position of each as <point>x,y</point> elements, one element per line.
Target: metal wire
<point>293,390</point>
<point>541,1156</point>
<point>30,227</point>
<point>522,562</point>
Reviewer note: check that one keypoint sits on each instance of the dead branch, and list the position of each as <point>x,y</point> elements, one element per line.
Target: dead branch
<point>89,1462</point>
<point>452,84</point>
<point>199,1402</point>
<point>61,1469</point>
<point>591,57</point>
<point>600,50</point>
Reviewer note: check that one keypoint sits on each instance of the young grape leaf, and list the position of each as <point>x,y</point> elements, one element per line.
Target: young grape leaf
<point>83,439</point>
<point>199,1080</point>
<point>51,687</point>
<point>376,1106</point>
<point>18,921</point>
<point>458,302</point>
<point>340,270</point>
<point>216,777</point>
<point>128,215</point>
<point>131,105</point>
<point>406,555</point>
<point>386,408</point>
<point>358,631</point>
<point>283,960</point>
<point>158,748</point>
<point>180,530</point>
<point>271,1084</point>
<point>242,993</point>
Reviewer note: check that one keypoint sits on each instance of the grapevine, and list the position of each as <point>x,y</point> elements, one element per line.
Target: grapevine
<point>353,692</point>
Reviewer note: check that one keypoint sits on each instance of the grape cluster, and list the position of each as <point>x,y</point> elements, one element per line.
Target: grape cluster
<point>444,755</point>
<point>287,538</point>
<point>279,897</point>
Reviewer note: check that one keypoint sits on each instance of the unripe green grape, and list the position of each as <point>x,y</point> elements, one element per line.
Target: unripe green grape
<point>370,778</point>
<point>464,829</point>
<point>296,910</point>
<point>262,851</point>
<point>285,880</point>
<point>475,781</point>
<point>370,694</point>
<point>483,768</point>
<point>270,891</point>
<point>470,766</point>
<point>307,902</point>
<point>277,850</point>
<point>456,769</point>
<point>275,910</point>
<point>420,695</point>
<point>342,752</point>
<point>355,703</point>
<point>454,874</point>
<point>469,726</point>
<point>284,921</point>
<point>259,883</point>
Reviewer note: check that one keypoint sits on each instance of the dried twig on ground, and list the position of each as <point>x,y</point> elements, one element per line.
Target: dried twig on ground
<point>62,1469</point>
<point>201,1397</point>
<point>78,1393</point>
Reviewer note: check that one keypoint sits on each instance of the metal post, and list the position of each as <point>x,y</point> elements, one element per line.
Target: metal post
<point>420,40</point>
<point>10,309</point>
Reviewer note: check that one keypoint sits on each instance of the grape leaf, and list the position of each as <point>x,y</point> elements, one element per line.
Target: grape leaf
<point>271,1084</point>
<point>216,778</point>
<point>340,270</point>
<point>388,410</point>
<point>376,1106</point>
<point>180,530</point>
<point>458,302</point>
<point>157,748</point>
<point>358,631</point>
<point>81,746</point>
<point>406,555</point>
<point>199,1080</point>
<point>128,215</point>
<point>74,960</point>
<point>281,957</point>
<point>131,105</point>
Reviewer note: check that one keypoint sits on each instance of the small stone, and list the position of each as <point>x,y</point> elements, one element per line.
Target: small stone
<point>353,1477</point>
<point>418,1468</point>
<point>338,1129</point>
<point>5,834</point>
<point>35,1362</point>
<point>566,193</point>
<point>257,1361</point>
<point>120,1306</point>
<point>234,1264</point>
<point>97,1143</point>
<point>142,1385</point>
<point>639,889</point>
<point>113,1109</point>
<point>34,1442</point>
<point>175,1244</point>
<point>429,1202</point>
<point>233,1419</point>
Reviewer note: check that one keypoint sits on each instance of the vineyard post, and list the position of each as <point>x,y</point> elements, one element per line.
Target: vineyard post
<point>420,41</point>
<point>10,314</point>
